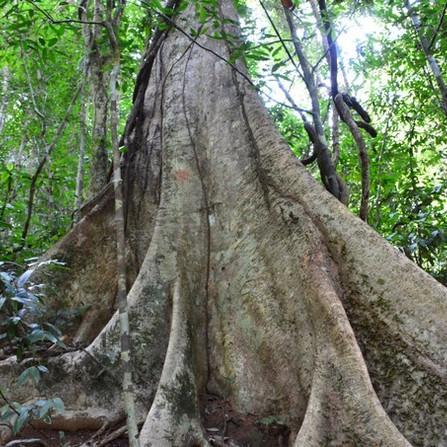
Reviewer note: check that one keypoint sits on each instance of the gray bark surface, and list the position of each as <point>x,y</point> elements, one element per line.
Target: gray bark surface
<point>254,284</point>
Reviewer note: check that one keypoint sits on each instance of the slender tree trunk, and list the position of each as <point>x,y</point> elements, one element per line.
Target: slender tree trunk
<point>345,114</point>
<point>126,361</point>
<point>7,195</point>
<point>89,35</point>
<point>81,160</point>
<point>329,176</point>
<point>4,74</point>
<point>97,60</point>
<point>100,80</point>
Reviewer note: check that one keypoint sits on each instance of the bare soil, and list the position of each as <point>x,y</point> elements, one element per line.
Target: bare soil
<point>226,427</point>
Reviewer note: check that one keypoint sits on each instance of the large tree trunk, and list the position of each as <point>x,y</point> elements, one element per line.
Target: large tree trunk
<point>256,287</point>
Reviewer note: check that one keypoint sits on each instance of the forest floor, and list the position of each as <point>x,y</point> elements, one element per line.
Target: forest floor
<point>53,438</point>
<point>223,426</point>
<point>226,427</point>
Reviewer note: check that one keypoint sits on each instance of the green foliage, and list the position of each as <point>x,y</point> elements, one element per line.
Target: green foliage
<point>16,415</point>
<point>390,75</point>
<point>24,331</point>
<point>408,159</point>
<point>43,55</point>
<point>292,128</point>
<point>24,323</point>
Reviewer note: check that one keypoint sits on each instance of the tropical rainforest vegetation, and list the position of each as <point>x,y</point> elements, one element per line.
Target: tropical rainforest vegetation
<point>47,173</point>
<point>138,168</point>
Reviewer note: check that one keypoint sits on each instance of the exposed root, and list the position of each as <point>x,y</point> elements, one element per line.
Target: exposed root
<point>173,419</point>
<point>86,380</point>
<point>343,408</point>
<point>85,291</point>
<point>88,290</point>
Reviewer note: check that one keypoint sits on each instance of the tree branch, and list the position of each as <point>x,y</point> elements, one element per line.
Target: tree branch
<point>275,29</point>
<point>440,23</point>
<point>345,115</point>
<point>57,22</point>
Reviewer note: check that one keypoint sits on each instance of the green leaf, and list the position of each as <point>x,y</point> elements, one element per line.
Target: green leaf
<point>32,373</point>
<point>22,419</point>
<point>58,405</point>
<point>45,408</point>
<point>276,50</point>
<point>277,66</point>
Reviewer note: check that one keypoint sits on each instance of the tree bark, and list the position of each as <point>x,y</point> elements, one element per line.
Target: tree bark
<point>97,59</point>
<point>255,286</point>
<point>81,160</point>
<point>4,72</point>
<point>100,79</point>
